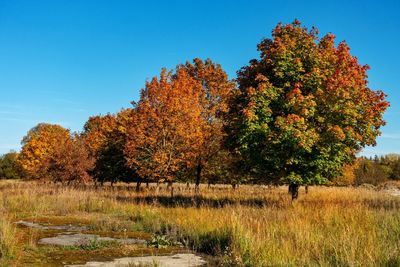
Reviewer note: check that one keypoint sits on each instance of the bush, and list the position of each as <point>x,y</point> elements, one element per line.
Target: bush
<point>9,168</point>
<point>371,172</point>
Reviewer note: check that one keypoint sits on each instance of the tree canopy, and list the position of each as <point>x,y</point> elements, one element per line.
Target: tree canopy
<point>105,137</point>
<point>9,167</point>
<point>50,152</point>
<point>216,88</point>
<point>39,145</point>
<point>165,130</point>
<point>303,109</point>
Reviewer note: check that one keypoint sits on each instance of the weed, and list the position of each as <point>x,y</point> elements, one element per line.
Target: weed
<point>163,241</point>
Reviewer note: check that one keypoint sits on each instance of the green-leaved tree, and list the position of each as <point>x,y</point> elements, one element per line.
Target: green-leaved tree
<point>303,109</point>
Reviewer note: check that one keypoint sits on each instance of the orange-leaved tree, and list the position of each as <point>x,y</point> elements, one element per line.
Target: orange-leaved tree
<point>38,147</point>
<point>165,130</point>
<point>96,131</point>
<point>105,137</point>
<point>70,162</point>
<point>216,88</point>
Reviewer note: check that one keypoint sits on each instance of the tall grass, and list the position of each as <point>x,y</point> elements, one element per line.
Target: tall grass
<point>7,241</point>
<point>252,226</point>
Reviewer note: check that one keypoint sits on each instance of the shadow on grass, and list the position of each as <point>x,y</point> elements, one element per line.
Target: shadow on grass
<point>280,202</point>
<point>201,201</point>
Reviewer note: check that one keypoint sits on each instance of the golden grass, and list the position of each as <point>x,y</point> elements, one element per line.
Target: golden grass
<point>7,240</point>
<point>251,226</point>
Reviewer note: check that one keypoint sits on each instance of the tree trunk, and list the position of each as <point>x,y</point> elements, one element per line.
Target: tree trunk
<point>198,177</point>
<point>171,187</point>
<point>294,191</point>
<point>138,183</point>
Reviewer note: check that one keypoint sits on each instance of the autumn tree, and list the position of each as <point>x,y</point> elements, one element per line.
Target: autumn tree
<point>216,88</point>
<point>96,131</point>
<point>348,174</point>
<point>70,162</point>
<point>38,147</point>
<point>303,109</point>
<point>105,136</point>
<point>166,127</point>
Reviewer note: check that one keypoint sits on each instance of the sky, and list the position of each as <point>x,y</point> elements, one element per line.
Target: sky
<point>62,61</point>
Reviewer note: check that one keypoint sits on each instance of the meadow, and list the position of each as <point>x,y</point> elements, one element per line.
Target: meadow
<point>250,226</point>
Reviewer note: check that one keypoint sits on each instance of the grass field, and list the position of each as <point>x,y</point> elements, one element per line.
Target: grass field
<point>251,226</point>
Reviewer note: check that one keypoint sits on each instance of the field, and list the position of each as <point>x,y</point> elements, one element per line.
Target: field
<point>249,226</point>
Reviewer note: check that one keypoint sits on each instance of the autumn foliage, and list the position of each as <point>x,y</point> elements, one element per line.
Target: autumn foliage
<point>166,126</point>
<point>216,88</point>
<point>50,152</point>
<point>70,162</point>
<point>97,131</point>
<point>299,115</point>
<point>303,109</point>
<point>39,145</point>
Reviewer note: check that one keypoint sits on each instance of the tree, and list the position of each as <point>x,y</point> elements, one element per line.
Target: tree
<point>348,174</point>
<point>395,175</point>
<point>216,90</point>
<point>9,167</point>
<point>70,162</point>
<point>391,164</point>
<point>165,131</point>
<point>38,147</point>
<point>96,131</point>
<point>105,136</point>
<point>303,109</point>
<point>370,172</point>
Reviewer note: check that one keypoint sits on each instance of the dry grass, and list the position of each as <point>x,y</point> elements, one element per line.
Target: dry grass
<point>7,239</point>
<point>252,226</point>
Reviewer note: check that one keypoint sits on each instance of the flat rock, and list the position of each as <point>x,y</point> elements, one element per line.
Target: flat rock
<point>69,228</point>
<point>177,260</point>
<point>393,192</point>
<point>71,239</point>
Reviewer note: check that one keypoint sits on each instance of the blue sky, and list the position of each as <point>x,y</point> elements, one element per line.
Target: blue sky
<point>63,61</point>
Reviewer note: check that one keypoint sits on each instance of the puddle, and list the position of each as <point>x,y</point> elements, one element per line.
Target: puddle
<point>74,239</point>
<point>177,260</point>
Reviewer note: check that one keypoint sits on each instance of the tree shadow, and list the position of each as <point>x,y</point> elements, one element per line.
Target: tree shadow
<point>199,201</point>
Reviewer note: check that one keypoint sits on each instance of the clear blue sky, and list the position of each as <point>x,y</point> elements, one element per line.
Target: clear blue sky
<point>63,61</point>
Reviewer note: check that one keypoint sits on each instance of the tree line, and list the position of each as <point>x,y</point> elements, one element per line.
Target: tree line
<point>296,115</point>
